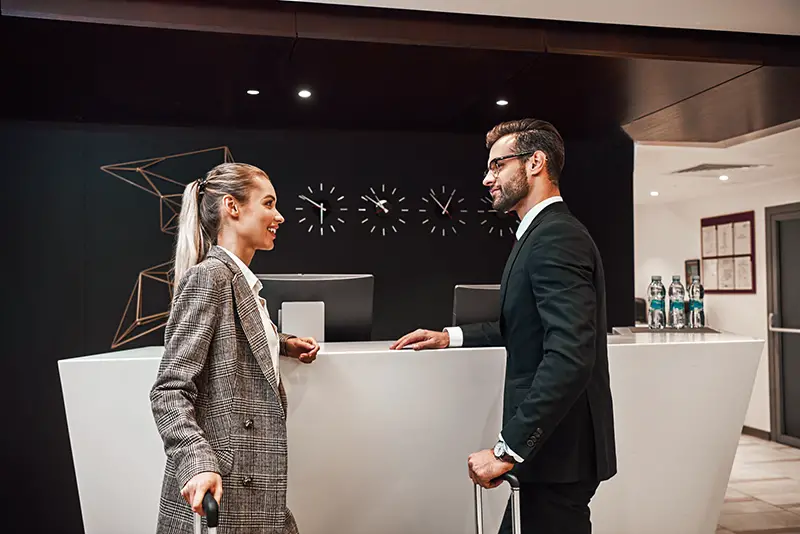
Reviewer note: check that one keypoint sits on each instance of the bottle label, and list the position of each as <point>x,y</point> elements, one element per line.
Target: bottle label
<point>657,304</point>
<point>676,305</point>
<point>695,304</point>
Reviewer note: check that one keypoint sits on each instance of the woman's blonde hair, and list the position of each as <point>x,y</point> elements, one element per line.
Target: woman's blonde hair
<point>200,217</point>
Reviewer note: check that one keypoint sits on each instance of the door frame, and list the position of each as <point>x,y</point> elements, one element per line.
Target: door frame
<point>772,216</point>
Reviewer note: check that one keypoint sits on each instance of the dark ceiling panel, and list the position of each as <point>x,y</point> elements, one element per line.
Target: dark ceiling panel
<point>761,99</point>
<point>69,71</point>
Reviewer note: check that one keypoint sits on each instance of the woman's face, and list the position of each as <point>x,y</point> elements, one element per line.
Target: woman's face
<point>259,217</point>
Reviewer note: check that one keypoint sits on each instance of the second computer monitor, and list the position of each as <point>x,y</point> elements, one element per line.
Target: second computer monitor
<point>476,303</point>
<point>347,298</point>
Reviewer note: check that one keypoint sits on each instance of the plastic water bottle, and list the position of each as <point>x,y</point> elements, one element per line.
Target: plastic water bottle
<point>677,311</point>
<point>656,318</point>
<point>697,316</point>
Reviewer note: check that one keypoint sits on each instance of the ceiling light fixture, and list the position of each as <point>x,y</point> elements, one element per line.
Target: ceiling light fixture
<point>252,91</point>
<point>304,93</point>
<point>724,178</point>
<point>653,193</point>
<point>502,102</point>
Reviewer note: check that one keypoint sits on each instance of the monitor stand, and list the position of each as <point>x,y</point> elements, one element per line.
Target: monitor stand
<point>303,319</point>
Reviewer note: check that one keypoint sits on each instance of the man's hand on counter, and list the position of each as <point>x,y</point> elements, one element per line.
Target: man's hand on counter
<point>422,339</point>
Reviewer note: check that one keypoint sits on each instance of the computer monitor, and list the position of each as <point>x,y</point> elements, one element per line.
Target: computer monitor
<point>476,303</point>
<point>347,298</point>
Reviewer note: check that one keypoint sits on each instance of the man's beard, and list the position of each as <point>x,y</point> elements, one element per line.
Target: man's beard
<point>512,192</point>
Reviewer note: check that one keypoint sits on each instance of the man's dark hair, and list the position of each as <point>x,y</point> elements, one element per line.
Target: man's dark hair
<point>532,135</point>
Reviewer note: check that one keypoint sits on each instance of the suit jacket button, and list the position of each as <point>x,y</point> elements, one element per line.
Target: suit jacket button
<point>248,423</point>
<point>531,443</point>
<point>246,481</point>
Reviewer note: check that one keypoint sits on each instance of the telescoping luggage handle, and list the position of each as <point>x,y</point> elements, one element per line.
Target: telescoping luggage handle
<point>211,509</point>
<point>516,520</point>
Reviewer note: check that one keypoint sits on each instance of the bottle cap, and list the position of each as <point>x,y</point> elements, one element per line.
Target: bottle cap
<point>656,277</point>
<point>676,278</point>
<point>695,278</point>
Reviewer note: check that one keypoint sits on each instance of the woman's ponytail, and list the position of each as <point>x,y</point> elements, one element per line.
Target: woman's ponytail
<point>189,246</point>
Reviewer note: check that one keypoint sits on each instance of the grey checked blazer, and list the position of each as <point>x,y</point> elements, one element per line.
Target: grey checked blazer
<point>217,405</point>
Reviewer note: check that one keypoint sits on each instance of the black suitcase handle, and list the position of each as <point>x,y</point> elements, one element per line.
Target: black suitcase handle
<point>516,519</point>
<point>211,508</point>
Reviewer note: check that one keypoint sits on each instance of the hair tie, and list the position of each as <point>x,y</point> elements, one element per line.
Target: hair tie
<point>201,185</point>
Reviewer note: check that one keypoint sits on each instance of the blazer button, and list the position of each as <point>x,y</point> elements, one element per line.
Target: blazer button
<point>531,443</point>
<point>246,481</point>
<point>248,423</point>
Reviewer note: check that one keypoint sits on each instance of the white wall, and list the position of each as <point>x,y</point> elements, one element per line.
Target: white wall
<point>666,235</point>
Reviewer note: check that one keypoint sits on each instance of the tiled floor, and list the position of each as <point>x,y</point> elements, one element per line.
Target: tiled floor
<point>764,490</point>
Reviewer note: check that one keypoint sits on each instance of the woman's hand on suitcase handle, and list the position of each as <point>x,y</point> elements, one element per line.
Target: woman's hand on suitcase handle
<point>196,488</point>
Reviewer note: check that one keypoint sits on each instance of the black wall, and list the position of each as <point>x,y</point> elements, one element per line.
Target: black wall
<point>76,239</point>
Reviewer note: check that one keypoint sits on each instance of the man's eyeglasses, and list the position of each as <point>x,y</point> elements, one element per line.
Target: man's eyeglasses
<point>494,165</point>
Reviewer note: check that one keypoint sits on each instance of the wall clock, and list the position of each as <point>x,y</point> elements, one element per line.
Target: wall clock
<point>443,211</point>
<point>495,222</point>
<point>321,209</point>
<point>384,211</point>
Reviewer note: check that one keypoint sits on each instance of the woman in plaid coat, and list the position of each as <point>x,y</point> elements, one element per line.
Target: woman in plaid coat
<point>218,401</point>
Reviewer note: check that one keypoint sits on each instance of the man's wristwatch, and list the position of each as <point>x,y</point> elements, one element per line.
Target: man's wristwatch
<point>502,454</point>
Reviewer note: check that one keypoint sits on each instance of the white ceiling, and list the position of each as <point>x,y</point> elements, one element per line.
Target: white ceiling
<point>758,16</point>
<point>654,165</point>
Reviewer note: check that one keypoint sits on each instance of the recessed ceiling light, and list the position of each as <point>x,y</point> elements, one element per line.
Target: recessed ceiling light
<point>502,102</point>
<point>304,93</point>
<point>252,91</point>
<point>653,193</point>
<point>724,178</point>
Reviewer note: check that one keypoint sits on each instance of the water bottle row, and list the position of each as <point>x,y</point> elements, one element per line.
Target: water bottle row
<point>676,316</point>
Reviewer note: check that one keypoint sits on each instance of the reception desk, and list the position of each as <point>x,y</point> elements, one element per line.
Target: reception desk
<point>378,439</point>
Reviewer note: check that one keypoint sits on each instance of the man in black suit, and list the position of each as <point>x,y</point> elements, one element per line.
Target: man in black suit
<point>558,427</point>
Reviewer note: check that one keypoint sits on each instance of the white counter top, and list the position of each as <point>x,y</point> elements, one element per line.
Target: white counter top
<point>360,416</point>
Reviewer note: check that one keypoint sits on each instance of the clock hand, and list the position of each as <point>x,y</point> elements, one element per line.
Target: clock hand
<point>448,202</point>
<point>379,204</point>
<point>433,195</point>
<point>320,206</point>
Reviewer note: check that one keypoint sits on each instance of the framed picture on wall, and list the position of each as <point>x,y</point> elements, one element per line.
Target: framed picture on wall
<point>727,243</point>
<point>692,268</point>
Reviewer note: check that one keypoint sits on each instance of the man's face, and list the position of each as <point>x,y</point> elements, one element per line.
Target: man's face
<point>506,177</point>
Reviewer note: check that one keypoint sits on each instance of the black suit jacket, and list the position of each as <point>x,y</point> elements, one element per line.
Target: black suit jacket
<point>557,409</point>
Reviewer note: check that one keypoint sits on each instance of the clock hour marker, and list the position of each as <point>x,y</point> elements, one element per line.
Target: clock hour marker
<point>383,188</point>
<point>395,229</point>
<point>402,199</point>
<point>424,199</point>
<point>321,230</point>
<point>365,220</point>
<point>394,191</point>
<point>444,232</point>
<point>334,189</point>
<point>340,198</point>
<point>362,209</point>
<point>302,220</point>
<point>342,209</point>
<point>404,210</point>
<point>320,187</point>
<point>501,232</point>
<point>333,229</point>
<point>491,229</point>
<point>373,229</point>
<point>310,190</point>
<point>442,189</point>
<point>463,211</point>
<point>483,222</point>
<point>426,222</point>
<point>462,222</point>
<point>340,220</point>
<point>373,192</point>
<point>384,232</point>
<point>299,209</point>
<point>432,229</point>
<point>310,228</point>
<point>460,200</point>
<point>422,211</point>
<point>401,220</point>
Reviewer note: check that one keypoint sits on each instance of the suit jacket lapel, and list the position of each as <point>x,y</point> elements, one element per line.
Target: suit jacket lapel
<point>247,310</point>
<point>516,250</point>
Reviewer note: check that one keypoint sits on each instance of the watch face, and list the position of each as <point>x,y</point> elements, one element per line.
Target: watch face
<point>499,450</point>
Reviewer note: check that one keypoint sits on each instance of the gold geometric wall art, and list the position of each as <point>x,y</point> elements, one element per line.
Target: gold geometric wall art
<point>157,279</point>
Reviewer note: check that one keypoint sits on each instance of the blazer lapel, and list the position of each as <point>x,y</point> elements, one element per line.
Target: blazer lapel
<point>516,250</point>
<point>247,310</point>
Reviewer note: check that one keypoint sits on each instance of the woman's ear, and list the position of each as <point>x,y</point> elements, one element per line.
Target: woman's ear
<point>230,206</point>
